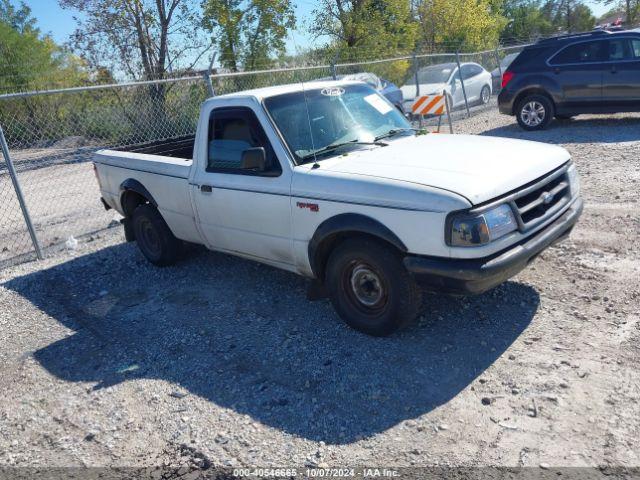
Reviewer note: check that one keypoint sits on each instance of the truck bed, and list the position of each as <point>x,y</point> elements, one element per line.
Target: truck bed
<point>178,147</point>
<point>171,157</point>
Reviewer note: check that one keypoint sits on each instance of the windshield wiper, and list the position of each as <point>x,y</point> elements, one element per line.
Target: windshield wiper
<point>396,131</point>
<point>335,146</point>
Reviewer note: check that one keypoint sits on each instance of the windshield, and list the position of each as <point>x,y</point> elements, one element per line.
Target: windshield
<point>346,114</point>
<point>436,74</point>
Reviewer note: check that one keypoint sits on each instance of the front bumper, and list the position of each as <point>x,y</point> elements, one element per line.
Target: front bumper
<point>474,276</point>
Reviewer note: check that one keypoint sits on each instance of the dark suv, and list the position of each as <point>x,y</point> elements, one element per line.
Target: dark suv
<point>597,72</point>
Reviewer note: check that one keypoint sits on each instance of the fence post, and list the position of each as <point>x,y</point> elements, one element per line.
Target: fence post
<point>334,72</point>
<point>464,91</point>
<point>16,186</point>
<point>207,77</point>
<point>415,73</point>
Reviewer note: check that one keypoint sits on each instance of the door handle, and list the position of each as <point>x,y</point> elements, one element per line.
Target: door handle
<point>206,188</point>
<point>614,70</point>
<point>556,70</point>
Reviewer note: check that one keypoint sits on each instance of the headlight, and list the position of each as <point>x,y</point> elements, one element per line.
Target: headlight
<point>574,180</point>
<point>477,229</point>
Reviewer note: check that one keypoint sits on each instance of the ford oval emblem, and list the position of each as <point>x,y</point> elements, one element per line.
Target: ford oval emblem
<point>546,197</point>
<point>332,92</point>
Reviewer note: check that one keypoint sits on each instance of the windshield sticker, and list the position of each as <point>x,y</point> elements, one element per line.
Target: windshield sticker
<point>378,103</point>
<point>332,92</point>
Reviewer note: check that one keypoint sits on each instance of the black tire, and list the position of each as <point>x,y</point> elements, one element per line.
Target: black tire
<point>370,288</point>
<point>485,95</point>
<point>155,240</point>
<point>564,118</point>
<point>534,112</point>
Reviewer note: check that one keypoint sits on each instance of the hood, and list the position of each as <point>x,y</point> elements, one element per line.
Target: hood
<point>409,90</point>
<point>478,168</point>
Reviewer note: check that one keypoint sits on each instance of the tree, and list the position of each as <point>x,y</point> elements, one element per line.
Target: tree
<point>569,15</point>
<point>526,21</point>
<point>366,28</point>
<point>29,61</point>
<point>144,37</point>
<point>248,33</point>
<point>19,19</point>
<point>631,9</point>
<point>459,24</point>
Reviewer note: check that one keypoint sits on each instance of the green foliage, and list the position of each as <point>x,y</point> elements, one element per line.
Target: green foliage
<point>248,34</point>
<point>467,25</point>
<point>526,21</point>
<point>29,62</point>
<point>19,19</point>
<point>569,15</point>
<point>368,29</point>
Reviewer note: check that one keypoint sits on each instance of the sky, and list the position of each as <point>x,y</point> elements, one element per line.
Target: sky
<point>60,23</point>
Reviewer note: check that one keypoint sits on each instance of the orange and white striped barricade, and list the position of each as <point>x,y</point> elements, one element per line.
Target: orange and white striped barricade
<point>436,105</point>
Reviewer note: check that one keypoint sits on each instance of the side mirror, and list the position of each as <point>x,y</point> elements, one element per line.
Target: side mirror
<point>254,159</point>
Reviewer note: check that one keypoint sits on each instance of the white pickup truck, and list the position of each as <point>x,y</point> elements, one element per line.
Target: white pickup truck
<point>328,180</point>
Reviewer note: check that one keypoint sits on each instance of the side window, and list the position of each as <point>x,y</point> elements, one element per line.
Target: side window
<point>467,71</point>
<point>232,131</point>
<point>583,52</point>
<point>635,46</point>
<point>620,50</point>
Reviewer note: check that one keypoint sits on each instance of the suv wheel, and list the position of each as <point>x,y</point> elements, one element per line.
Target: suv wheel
<point>370,288</point>
<point>485,94</point>
<point>155,240</point>
<point>534,112</point>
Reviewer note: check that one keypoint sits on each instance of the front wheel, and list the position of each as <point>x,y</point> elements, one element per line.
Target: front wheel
<point>370,288</point>
<point>534,112</point>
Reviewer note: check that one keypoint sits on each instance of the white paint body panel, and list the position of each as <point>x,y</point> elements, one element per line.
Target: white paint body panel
<point>409,186</point>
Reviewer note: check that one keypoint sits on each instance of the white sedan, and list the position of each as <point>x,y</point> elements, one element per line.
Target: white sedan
<point>435,79</point>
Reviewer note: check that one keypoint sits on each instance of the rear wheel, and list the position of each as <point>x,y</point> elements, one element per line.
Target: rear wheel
<point>485,95</point>
<point>534,112</point>
<point>154,238</point>
<point>370,288</point>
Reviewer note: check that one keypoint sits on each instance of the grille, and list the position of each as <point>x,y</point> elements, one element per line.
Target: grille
<point>541,200</point>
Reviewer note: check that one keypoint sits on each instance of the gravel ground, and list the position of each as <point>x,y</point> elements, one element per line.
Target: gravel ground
<point>108,361</point>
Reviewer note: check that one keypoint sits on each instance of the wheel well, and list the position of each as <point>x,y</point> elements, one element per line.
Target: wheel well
<point>531,91</point>
<point>331,242</point>
<point>131,200</point>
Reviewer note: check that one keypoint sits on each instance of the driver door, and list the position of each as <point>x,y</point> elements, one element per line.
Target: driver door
<point>243,209</point>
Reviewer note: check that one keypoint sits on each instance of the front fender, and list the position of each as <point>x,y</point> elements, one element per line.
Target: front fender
<point>342,224</point>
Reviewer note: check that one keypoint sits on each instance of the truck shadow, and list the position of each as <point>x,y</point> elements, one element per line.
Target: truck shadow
<point>243,336</point>
<point>578,130</point>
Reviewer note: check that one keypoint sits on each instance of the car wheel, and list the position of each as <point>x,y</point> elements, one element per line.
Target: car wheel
<point>153,236</point>
<point>534,112</point>
<point>485,95</point>
<point>370,288</point>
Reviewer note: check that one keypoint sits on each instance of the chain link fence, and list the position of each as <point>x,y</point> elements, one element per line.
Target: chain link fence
<point>51,136</point>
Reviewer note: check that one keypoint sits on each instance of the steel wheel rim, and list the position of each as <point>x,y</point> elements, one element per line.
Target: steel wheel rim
<point>485,95</point>
<point>150,237</point>
<point>533,113</point>
<point>365,288</point>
